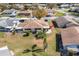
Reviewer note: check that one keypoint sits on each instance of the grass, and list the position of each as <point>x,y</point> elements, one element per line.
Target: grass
<point>49,22</point>
<point>17,43</point>
<point>75,14</point>
<point>52,44</point>
<point>22,16</point>
<point>59,14</point>
<point>2,41</point>
<point>1,34</point>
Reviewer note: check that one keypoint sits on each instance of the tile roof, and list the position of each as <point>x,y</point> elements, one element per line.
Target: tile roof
<point>71,24</point>
<point>66,21</point>
<point>34,24</point>
<point>70,36</point>
<point>61,21</point>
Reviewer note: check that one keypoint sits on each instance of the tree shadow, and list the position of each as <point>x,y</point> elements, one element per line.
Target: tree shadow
<point>55,24</point>
<point>34,50</point>
<point>59,45</point>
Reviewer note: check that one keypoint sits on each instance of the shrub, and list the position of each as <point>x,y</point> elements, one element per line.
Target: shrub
<point>40,34</point>
<point>26,33</point>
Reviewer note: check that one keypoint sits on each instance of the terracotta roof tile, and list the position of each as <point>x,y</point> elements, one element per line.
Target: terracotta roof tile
<point>70,36</point>
<point>34,24</point>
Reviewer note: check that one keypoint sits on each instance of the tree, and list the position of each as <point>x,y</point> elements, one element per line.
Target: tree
<point>26,7</point>
<point>39,13</point>
<point>71,52</point>
<point>3,7</point>
<point>45,44</point>
<point>26,33</point>
<point>33,50</point>
<point>13,29</point>
<point>52,5</point>
<point>12,6</point>
<point>42,35</point>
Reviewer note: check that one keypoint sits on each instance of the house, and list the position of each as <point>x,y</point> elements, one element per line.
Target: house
<point>65,21</point>
<point>70,40</point>
<point>9,13</point>
<point>65,5</point>
<point>74,9</point>
<point>7,23</point>
<point>49,15</point>
<point>61,22</point>
<point>27,13</point>
<point>34,25</point>
<point>4,51</point>
<point>50,12</point>
<point>42,4</point>
<point>71,25</point>
<point>23,24</point>
<point>19,6</point>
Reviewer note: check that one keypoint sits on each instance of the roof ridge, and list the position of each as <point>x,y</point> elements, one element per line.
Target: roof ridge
<point>38,23</point>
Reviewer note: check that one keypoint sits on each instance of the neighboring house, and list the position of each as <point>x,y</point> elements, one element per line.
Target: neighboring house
<point>75,9</point>
<point>65,21</point>
<point>71,25</point>
<point>65,5</point>
<point>72,10</point>
<point>49,17</point>
<point>7,23</point>
<point>20,6</point>
<point>9,13</point>
<point>23,24</point>
<point>4,51</point>
<point>27,13</point>
<point>50,12</point>
<point>70,40</point>
<point>61,22</point>
<point>75,5</point>
<point>34,25</point>
<point>42,4</point>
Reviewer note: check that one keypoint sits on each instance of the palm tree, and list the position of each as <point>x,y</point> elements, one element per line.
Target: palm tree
<point>13,31</point>
<point>45,44</point>
<point>33,50</point>
<point>13,28</point>
<point>42,34</point>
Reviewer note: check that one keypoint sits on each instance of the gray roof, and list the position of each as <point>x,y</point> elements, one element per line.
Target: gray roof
<point>61,22</point>
<point>3,23</point>
<point>4,51</point>
<point>9,11</point>
<point>8,22</point>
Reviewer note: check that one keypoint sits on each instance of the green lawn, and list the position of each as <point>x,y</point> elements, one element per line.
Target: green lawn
<point>75,14</point>
<point>2,41</point>
<point>1,34</point>
<point>59,14</point>
<point>22,16</point>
